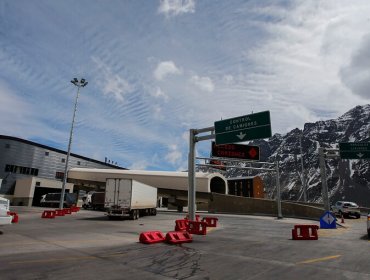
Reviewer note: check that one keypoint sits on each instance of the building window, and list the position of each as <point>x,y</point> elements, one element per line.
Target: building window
<point>11,168</point>
<point>46,153</point>
<point>21,170</point>
<point>38,184</point>
<point>34,171</point>
<point>63,160</point>
<point>59,175</point>
<point>7,146</point>
<point>78,162</point>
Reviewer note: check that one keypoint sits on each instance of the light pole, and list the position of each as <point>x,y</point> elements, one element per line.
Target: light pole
<point>78,84</point>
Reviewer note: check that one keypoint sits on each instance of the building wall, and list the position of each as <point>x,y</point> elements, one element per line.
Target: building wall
<point>25,189</point>
<point>19,156</point>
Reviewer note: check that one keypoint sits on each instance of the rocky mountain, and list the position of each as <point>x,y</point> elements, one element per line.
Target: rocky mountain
<point>346,179</point>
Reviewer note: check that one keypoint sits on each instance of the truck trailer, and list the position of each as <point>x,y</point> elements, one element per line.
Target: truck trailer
<point>129,198</point>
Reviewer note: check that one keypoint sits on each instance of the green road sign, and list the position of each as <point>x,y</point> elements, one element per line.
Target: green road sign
<point>354,150</point>
<point>244,128</point>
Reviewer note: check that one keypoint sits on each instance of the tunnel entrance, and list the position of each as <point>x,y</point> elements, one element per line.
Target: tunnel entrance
<point>218,185</point>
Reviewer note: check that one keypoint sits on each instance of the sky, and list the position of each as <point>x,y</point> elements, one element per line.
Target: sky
<point>157,68</point>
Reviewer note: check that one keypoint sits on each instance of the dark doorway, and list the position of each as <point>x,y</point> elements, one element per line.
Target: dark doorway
<point>40,191</point>
<point>218,185</point>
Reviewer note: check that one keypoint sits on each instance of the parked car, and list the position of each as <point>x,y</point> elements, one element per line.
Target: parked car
<point>346,208</point>
<point>368,225</point>
<point>5,217</point>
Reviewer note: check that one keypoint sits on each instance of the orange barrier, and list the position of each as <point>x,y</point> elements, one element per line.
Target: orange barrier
<point>305,232</point>
<point>210,221</point>
<point>181,225</point>
<point>197,228</point>
<point>151,237</point>
<point>59,212</point>
<point>177,237</point>
<point>14,217</point>
<point>48,214</point>
<point>67,211</point>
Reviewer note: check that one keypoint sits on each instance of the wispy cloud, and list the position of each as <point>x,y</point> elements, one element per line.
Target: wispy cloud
<point>204,83</point>
<point>174,155</point>
<point>176,7</point>
<point>112,84</point>
<point>159,69</point>
<point>164,69</point>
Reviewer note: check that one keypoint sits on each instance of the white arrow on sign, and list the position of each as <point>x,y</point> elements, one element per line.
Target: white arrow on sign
<point>360,155</point>
<point>328,219</point>
<point>241,135</point>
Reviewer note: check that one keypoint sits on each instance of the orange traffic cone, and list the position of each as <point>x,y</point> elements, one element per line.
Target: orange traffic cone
<point>342,219</point>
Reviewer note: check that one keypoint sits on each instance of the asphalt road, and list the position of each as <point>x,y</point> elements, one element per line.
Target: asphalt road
<point>86,245</point>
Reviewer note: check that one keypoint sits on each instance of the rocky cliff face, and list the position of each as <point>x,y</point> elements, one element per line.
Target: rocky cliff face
<point>347,179</point>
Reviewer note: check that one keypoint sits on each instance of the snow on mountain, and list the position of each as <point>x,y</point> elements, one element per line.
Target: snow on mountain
<point>347,179</point>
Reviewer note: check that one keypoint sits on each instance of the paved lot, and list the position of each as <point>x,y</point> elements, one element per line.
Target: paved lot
<point>88,245</point>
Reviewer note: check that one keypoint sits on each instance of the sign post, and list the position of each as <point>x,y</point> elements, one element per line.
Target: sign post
<point>243,128</point>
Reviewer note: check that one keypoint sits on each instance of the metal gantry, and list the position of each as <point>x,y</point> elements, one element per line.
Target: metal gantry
<point>191,169</point>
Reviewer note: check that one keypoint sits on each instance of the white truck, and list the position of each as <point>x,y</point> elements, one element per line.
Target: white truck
<point>127,197</point>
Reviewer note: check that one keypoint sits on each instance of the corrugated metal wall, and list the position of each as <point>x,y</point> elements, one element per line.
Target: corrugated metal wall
<point>47,160</point>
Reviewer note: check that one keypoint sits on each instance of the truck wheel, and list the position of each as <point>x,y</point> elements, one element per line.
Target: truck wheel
<point>137,214</point>
<point>132,215</point>
<point>154,212</point>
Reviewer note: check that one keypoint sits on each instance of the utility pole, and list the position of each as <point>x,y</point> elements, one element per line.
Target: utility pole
<point>303,179</point>
<point>324,183</point>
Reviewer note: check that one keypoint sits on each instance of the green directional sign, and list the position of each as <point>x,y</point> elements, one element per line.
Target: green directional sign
<point>354,150</point>
<point>243,128</point>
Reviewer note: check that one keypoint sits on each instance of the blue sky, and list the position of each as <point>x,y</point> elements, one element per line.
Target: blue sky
<point>158,68</point>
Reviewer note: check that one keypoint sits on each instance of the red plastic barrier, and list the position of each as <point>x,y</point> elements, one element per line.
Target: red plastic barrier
<point>305,232</point>
<point>197,218</point>
<point>199,228</point>
<point>67,211</point>
<point>15,217</point>
<point>150,237</point>
<point>181,225</point>
<point>75,209</point>
<point>48,214</point>
<point>210,221</point>
<point>177,237</point>
<point>59,212</point>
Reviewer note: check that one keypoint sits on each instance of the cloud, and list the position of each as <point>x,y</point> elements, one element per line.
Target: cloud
<point>112,84</point>
<point>204,83</point>
<point>228,79</point>
<point>158,93</point>
<point>356,75</point>
<point>176,7</point>
<point>139,165</point>
<point>174,156</point>
<point>164,69</point>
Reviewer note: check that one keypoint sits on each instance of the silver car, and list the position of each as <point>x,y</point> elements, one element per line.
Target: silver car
<point>346,208</point>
